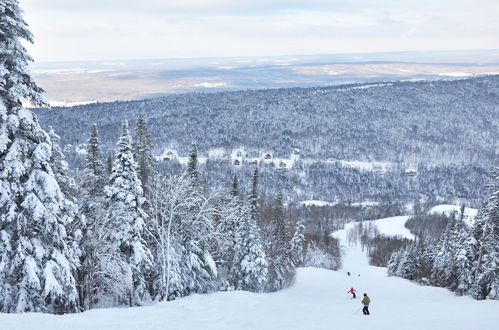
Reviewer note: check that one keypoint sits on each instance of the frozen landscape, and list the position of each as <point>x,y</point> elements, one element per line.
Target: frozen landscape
<point>317,300</point>
<point>247,165</point>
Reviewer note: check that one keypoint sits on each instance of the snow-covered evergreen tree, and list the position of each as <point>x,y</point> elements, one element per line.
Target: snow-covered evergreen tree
<point>443,272</point>
<point>230,218</point>
<point>253,197</point>
<point>281,268</point>
<point>486,228</point>
<point>36,259</point>
<point>250,267</point>
<point>16,83</point>
<point>234,190</point>
<point>68,187</point>
<point>298,244</point>
<point>394,262</point>
<point>94,281</point>
<point>408,263</point>
<point>126,216</point>
<point>93,157</point>
<point>142,145</point>
<point>192,165</point>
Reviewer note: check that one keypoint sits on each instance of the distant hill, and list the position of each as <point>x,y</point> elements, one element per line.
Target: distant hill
<point>435,122</point>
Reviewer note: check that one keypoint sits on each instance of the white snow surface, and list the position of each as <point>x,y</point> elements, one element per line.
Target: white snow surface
<point>368,166</point>
<point>393,226</point>
<point>317,300</point>
<point>447,209</point>
<point>314,202</point>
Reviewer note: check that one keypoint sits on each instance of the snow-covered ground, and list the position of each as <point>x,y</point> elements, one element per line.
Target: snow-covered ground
<point>393,226</point>
<point>368,166</point>
<point>447,209</point>
<point>317,300</point>
<point>314,202</point>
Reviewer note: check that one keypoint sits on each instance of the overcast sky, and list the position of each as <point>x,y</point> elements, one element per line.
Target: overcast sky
<point>67,30</point>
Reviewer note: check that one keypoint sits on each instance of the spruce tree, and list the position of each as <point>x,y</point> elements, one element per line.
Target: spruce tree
<point>142,145</point>
<point>408,264</point>
<point>234,191</point>
<point>298,244</point>
<point>486,277</point>
<point>192,166</point>
<point>92,200</point>
<point>93,158</point>
<point>394,262</point>
<point>230,218</point>
<point>277,248</point>
<point>126,216</point>
<point>443,272</point>
<point>250,267</point>
<point>68,187</point>
<point>36,261</point>
<point>253,197</point>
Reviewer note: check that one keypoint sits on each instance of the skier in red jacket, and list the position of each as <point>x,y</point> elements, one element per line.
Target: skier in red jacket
<point>352,291</point>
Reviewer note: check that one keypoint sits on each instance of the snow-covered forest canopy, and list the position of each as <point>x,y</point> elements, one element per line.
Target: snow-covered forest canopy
<point>434,122</point>
<point>447,131</point>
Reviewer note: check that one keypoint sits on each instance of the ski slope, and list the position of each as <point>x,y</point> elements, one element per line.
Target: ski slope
<point>317,300</point>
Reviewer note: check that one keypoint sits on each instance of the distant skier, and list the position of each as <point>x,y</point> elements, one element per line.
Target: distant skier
<point>366,301</point>
<point>352,291</point>
<point>348,273</point>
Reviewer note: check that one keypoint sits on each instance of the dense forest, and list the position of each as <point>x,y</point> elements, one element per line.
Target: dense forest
<point>445,130</point>
<point>434,122</point>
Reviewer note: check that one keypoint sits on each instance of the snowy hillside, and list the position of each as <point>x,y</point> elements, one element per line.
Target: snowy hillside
<point>317,300</point>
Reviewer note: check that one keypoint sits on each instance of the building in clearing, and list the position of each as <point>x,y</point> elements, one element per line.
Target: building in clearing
<point>237,162</point>
<point>268,156</point>
<point>410,172</point>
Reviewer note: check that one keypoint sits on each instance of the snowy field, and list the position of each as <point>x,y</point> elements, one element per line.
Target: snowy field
<point>447,209</point>
<point>393,226</point>
<point>317,300</point>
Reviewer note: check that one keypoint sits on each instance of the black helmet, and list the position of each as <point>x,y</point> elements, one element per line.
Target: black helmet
<point>365,294</point>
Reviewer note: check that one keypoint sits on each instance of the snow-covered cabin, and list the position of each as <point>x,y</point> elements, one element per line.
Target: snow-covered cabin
<point>268,156</point>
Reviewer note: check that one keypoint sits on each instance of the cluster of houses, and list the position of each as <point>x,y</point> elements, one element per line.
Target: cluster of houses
<point>241,157</point>
<point>238,159</point>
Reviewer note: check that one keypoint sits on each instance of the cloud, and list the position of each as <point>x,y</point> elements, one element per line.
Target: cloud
<point>111,29</point>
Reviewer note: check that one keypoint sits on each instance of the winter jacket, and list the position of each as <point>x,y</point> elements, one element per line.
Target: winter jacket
<point>352,290</point>
<point>366,301</point>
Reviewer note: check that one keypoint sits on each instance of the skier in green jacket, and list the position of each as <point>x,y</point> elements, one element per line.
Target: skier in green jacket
<point>366,301</point>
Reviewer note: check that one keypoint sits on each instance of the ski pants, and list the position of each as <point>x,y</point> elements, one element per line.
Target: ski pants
<point>365,310</point>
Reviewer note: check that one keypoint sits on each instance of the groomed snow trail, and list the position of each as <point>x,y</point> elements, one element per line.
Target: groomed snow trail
<point>318,300</point>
